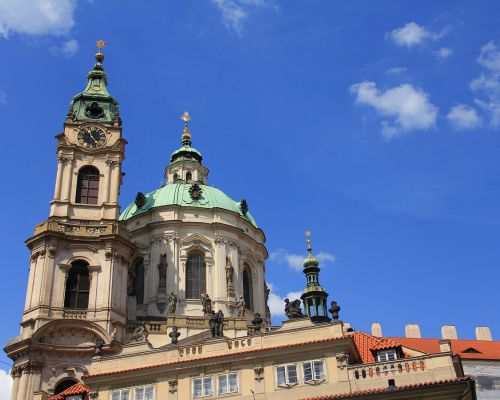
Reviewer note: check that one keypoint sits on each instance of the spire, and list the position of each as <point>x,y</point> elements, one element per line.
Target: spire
<point>95,103</point>
<point>314,296</point>
<point>186,152</point>
<point>186,135</point>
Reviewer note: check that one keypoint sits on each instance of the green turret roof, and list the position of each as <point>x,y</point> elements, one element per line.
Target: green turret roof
<point>179,194</point>
<point>95,103</point>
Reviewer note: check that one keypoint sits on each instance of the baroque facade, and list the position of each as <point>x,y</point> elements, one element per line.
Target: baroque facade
<point>168,299</point>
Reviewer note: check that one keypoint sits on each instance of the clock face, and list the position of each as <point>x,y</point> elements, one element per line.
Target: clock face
<point>91,137</point>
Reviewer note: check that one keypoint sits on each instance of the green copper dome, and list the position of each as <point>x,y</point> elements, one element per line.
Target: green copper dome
<point>181,194</point>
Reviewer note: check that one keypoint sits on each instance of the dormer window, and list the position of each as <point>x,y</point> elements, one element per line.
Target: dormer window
<point>387,355</point>
<point>189,177</point>
<point>176,177</point>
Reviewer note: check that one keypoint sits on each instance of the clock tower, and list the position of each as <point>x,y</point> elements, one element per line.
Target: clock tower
<point>76,301</point>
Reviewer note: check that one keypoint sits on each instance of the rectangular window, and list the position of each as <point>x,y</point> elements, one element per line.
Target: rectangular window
<point>202,387</point>
<point>286,375</point>
<point>144,392</point>
<point>122,394</point>
<point>313,371</point>
<point>386,355</point>
<point>227,383</point>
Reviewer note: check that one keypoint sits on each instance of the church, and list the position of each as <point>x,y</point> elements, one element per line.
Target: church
<point>167,299</point>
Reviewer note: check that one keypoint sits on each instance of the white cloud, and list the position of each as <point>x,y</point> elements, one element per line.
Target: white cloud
<point>409,106</point>
<point>463,116</point>
<point>3,98</point>
<point>296,261</point>
<point>410,35</point>
<point>36,17</point>
<point>443,53</point>
<point>487,85</point>
<point>235,12</point>
<point>67,49</point>
<point>396,70</point>
<point>5,385</point>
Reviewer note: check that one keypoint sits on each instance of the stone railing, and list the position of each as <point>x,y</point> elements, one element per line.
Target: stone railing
<point>82,229</point>
<point>70,313</point>
<point>387,368</point>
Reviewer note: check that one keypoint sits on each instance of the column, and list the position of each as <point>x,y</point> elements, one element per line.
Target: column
<point>116,182</point>
<point>16,376</point>
<point>60,167</point>
<point>107,176</point>
<point>68,178</point>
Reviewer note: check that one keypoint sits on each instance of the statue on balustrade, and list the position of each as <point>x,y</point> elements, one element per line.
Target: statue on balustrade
<point>292,309</point>
<point>206,303</point>
<point>174,335</point>
<point>140,334</point>
<point>216,324</point>
<point>240,305</point>
<point>229,277</point>
<point>172,303</point>
<point>334,310</point>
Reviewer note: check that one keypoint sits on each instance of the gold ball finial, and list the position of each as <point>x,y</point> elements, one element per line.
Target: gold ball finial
<point>308,237</point>
<point>186,135</point>
<point>100,44</point>
<point>186,117</point>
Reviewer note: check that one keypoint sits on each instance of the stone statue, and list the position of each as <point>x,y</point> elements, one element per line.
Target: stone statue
<point>162,270</point>
<point>229,277</point>
<point>266,301</point>
<point>292,310</point>
<point>257,322</point>
<point>334,310</point>
<point>99,344</point>
<point>240,305</point>
<point>161,301</point>
<point>206,303</point>
<point>216,324</point>
<point>174,335</point>
<point>140,334</point>
<point>172,303</point>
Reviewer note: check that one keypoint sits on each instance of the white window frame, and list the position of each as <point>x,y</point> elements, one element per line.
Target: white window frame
<point>287,384</point>
<point>202,378</point>
<point>228,386</point>
<point>384,355</point>
<point>121,391</point>
<point>144,387</point>
<point>315,379</point>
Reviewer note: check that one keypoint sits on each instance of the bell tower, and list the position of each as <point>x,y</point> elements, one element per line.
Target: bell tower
<point>80,256</point>
<point>89,153</point>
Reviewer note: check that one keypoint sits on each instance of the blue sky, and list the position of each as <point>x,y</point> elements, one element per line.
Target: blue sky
<point>375,125</point>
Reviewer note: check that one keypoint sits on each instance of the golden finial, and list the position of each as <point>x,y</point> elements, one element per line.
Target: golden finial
<point>100,45</point>
<point>186,118</point>
<point>308,236</point>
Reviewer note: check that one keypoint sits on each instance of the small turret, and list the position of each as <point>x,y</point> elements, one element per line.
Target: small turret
<point>95,103</point>
<point>314,296</point>
<point>185,163</point>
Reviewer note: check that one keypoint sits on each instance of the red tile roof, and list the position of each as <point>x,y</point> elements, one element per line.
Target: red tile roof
<point>486,349</point>
<point>366,344</point>
<point>386,389</point>
<point>77,388</point>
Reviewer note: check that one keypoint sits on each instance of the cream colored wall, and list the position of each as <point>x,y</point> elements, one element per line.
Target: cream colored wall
<point>277,349</point>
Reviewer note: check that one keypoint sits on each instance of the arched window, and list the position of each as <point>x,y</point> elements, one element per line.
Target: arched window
<point>176,177</point>
<point>195,276</point>
<point>77,286</point>
<point>247,287</point>
<point>87,187</point>
<point>139,282</point>
<point>63,385</point>
<point>189,176</point>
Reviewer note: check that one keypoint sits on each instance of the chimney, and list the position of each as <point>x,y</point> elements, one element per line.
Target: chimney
<point>483,333</point>
<point>444,346</point>
<point>449,332</point>
<point>412,331</point>
<point>376,329</point>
